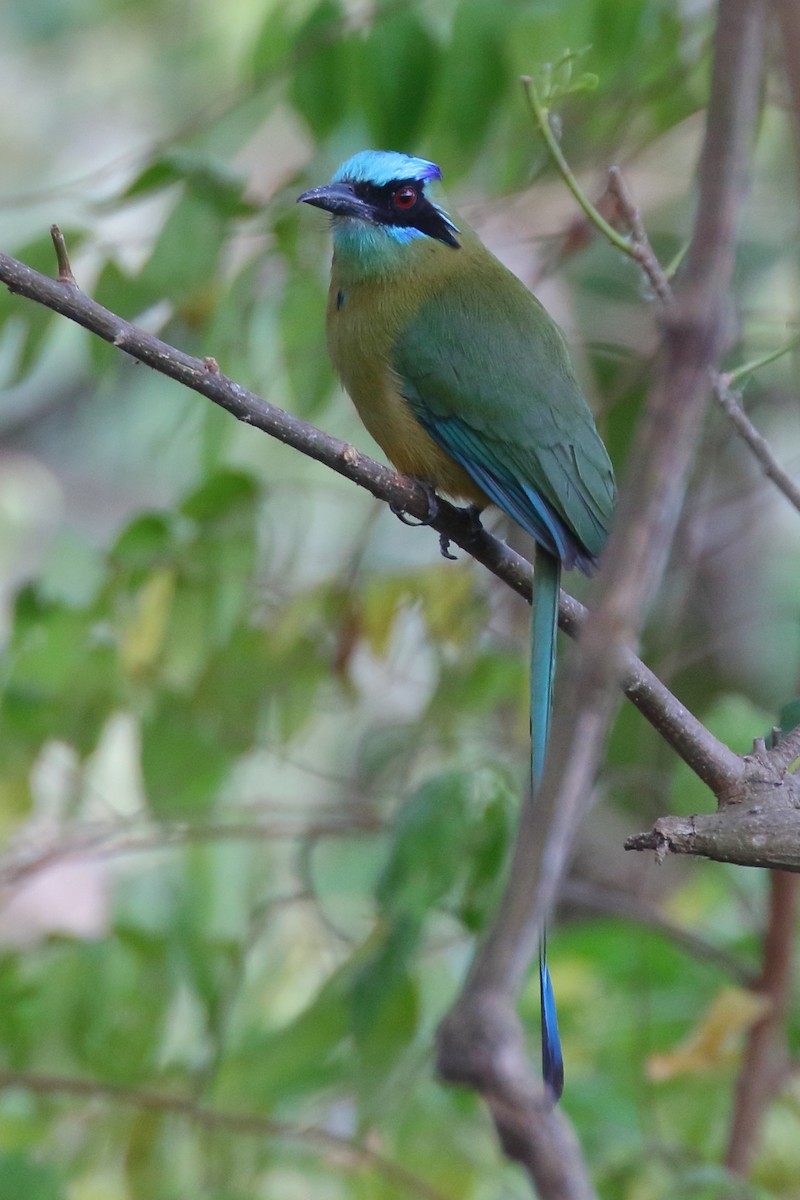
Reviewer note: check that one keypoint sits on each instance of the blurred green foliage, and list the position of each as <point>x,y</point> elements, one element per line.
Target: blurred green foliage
<point>260,748</point>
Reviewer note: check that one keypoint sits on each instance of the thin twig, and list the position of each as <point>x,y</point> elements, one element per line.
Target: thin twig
<point>109,840</point>
<point>542,118</point>
<point>730,403</point>
<point>731,378</point>
<point>637,246</point>
<point>340,1151</point>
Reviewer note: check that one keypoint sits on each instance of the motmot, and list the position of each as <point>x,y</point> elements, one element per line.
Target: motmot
<point>465,381</point>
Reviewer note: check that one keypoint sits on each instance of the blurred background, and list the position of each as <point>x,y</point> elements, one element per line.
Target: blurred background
<point>261,748</point>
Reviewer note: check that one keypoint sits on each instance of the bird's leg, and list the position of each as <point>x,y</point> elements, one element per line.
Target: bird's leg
<point>473,511</point>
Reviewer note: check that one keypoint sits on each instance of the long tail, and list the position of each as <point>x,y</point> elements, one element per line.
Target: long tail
<point>544,626</point>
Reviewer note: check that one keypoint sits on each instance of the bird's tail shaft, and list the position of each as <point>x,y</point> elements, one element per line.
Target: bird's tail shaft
<point>546,586</point>
<point>544,628</point>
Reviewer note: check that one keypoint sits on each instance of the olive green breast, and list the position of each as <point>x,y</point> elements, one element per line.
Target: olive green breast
<point>365,317</point>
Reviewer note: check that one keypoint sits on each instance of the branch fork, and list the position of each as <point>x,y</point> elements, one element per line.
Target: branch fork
<point>757,822</point>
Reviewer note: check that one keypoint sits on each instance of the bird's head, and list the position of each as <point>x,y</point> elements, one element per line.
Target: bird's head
<point>379,203</point>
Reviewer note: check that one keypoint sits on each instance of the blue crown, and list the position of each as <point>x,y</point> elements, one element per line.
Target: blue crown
<point>383,166</point>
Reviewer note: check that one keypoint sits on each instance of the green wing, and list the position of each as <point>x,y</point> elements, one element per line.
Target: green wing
<point>487,373</point>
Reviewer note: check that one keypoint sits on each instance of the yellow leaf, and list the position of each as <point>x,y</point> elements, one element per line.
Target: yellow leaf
<point>383,598</point>
<point>711,1043</point>
<point>446,597</point>
<point>143,634</point>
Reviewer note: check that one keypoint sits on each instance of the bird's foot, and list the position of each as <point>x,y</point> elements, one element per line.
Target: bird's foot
<point>473,513</point>
<point>431,511</point>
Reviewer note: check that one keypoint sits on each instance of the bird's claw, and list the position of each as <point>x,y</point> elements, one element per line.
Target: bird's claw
<point>472,512</point>
<point>431,512</point>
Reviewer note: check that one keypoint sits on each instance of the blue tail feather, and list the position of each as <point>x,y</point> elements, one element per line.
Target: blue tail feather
<point>544,628</point>
<point>552,1060</point>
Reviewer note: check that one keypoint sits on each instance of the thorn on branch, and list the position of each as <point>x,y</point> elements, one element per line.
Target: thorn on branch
<point>62,257</point>
<point>618,188</point>
<point>641,247</point>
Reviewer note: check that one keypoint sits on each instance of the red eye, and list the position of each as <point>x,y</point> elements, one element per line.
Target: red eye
<point>405,197</point>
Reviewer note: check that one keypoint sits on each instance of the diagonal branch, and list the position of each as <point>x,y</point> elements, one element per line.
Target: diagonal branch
<point>661,458</point>
<point>715,764</point>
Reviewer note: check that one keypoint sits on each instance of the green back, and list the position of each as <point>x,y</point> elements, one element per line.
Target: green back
<point>488,374</point>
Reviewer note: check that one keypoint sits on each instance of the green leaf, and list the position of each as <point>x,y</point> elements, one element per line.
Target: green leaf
<point>470,98</point>
<point>239,671</point>
<point>399,68</point>
<point>62,678</point>
<point>301,1058</point>
<point>144,1163</point>
<point>274,43</point>
<point>116,1023</point>
<point>223,495</point>
<point>384,973</point>
<point>618,28</point>
<point>555,81</point>
<point>183,764</point>
<point>302,321</point>
<point>422,866</point>
<point>386,1007</point>
<point>320,81</point>
<point>209,179</point>
<point>20,1012</point>
<point>485,855</point>
<point>122,293</point>
<point>182,266</point>
<point>148,541</point>
<point>21,1176</point>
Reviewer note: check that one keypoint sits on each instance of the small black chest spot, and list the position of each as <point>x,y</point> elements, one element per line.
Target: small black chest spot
<point>339,300</point>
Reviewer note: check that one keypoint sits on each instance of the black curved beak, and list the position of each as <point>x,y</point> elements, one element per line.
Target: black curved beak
<point>337,198</point>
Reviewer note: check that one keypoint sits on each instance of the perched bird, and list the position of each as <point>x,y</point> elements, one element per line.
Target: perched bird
<point>465,381</point>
